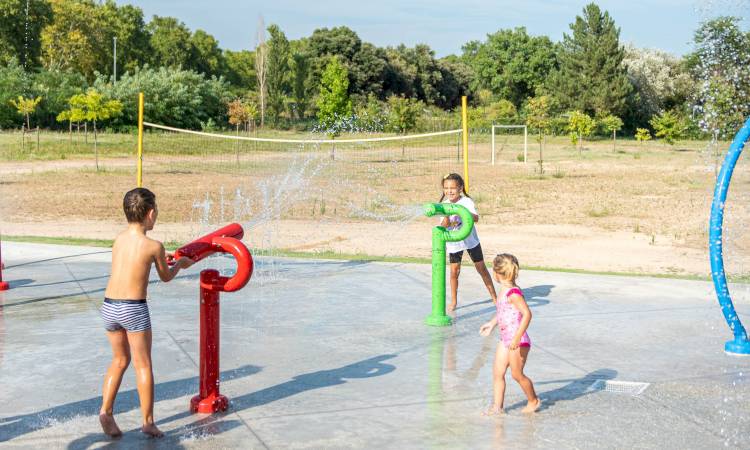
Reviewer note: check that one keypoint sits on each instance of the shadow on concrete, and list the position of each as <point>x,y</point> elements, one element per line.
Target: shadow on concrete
<point>22,282</point>
<point>573,390</point>
<point>29,283</point>
<point>12,427</point>
<point>368,368</point>
<point>13,266</point>
<point>173,439</point>
<point>537,295</point>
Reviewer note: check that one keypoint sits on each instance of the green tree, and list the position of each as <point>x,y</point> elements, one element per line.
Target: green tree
<point>206,56</point>
<point>502,112</point>
<point>414,72</point>
<point>591,77</point>
<point>95,109</point>
<point>240,70</point>
<point>55,87</point>
<point>333,99</point>
<point>341,41</point>
<point>612,124</point>
<point>26,107</point>
<point>721,64</point>
<point>127,24</point>
<point>72,115</point>
<point>642,135</point>
<point>668,126</point>
<point>510,63</point>
<point>326,43</point>
<point>371,114</point>
<point>580,126</point>
<point>13,82</point>
<point>367,70</point>
<point>180,98</point>
<point>457,78</point>
<point>538,119</point>
<point>402,115</point>
<point>75,40</point>
<point>170,41</point>
<point>278,80</point>
<point>300,69</point>
<point>20,36</point>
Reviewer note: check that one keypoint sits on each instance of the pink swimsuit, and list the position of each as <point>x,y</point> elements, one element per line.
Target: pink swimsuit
<point>509,319</point>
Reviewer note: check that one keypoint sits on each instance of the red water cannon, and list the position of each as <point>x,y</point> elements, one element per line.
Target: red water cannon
<point>204,247</point>
<point>4,286</point>
<point>212,283</point>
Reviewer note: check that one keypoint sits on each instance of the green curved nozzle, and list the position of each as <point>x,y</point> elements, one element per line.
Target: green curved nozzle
<point>439,237</point>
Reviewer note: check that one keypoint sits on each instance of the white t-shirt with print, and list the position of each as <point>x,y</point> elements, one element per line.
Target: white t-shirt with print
<point>472,240</point>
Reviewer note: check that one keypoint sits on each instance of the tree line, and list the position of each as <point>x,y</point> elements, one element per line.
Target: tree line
<point>54,50</point>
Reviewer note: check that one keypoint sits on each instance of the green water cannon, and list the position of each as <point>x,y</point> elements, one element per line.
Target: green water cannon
<point>440,235</point>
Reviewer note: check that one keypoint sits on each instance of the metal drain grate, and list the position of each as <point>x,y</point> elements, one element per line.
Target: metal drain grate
<point>620,387</point>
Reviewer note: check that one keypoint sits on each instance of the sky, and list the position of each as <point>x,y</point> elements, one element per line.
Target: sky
<point>445,25</point>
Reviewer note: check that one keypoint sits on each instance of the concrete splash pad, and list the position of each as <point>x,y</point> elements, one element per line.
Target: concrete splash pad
<point>334,354</point>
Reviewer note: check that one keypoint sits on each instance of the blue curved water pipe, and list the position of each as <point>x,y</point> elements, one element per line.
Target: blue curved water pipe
<point>740,345</point>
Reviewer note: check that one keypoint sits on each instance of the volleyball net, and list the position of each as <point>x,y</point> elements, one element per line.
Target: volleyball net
<point>359,176</point>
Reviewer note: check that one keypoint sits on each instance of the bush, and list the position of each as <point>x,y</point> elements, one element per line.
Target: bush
<point>13,82</point>
<point>668,126</point>
<point>174,97</point>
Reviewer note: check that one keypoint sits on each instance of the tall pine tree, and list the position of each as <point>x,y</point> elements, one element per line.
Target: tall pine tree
<point>591,77</point>
<point>279,82</point>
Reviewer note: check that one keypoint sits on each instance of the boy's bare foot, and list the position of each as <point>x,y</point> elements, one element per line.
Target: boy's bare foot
<point>151,430</point>
<point>451,307</point>
<point>532,406</point>
<point>494,410</point>
<point>109,426</point>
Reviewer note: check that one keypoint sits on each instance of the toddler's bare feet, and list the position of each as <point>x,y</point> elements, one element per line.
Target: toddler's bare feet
<point>451,307</point>
<point>532,406</point>
<point>109,426</point>
<point>494,410</point>
<point>151,430</point>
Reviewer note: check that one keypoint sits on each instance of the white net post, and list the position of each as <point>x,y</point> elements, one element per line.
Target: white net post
<point>525,140</point>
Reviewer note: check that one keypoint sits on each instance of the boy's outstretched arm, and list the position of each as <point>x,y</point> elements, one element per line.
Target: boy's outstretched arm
<point>165,271</point>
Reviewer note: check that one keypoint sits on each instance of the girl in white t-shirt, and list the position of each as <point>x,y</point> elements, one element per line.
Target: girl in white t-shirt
<point>454,192</point>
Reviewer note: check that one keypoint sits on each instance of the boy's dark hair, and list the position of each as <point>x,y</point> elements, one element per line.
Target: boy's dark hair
<point>458,179</point>
<point>137,203</point>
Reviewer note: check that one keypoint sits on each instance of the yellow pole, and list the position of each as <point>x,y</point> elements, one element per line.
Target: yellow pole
<point>140,140</point>
<point>465,125</point>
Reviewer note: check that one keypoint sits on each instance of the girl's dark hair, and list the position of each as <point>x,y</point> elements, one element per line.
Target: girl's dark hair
<point>137,203</point>
<point>457,178</point>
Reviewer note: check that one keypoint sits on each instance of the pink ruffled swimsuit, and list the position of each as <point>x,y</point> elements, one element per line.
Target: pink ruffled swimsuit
<point>509,319</point>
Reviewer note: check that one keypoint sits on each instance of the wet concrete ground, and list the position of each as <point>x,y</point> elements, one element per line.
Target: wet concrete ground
<point>334,354</point>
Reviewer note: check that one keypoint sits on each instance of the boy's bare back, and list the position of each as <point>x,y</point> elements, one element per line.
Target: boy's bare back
<point>132,255</point>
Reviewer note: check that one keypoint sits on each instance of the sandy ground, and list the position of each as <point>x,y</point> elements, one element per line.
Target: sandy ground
<point>641,210</point>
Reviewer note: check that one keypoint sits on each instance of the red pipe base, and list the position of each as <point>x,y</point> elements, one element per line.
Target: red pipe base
<point>4,286</point>
<point>209,405</point>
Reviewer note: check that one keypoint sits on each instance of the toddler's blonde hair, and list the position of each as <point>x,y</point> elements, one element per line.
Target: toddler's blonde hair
<point>506,265</point>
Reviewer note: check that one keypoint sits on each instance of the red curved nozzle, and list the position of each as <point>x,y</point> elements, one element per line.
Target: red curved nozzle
<point>203,246</point>
<point>244,263</point>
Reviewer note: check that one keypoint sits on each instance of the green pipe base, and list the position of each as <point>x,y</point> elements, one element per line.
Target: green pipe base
<point>438,321</point>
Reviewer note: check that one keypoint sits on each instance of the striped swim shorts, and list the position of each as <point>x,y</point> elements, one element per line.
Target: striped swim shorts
<point>131,315</point>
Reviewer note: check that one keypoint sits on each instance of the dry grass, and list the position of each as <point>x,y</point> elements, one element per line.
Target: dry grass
<point>650,189</point>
